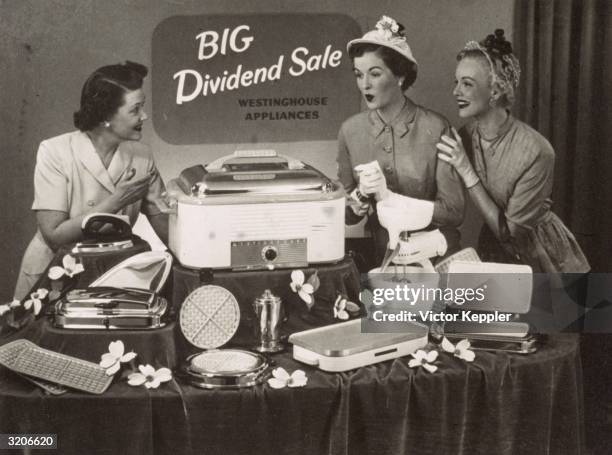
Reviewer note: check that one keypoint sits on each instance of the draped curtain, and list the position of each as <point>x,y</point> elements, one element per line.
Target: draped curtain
<point>565,49</point>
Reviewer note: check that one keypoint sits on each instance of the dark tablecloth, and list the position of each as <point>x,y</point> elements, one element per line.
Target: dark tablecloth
<point>167,346</point>
<point>499,404</point>
<point>156,347</point>
<point>340,278</point>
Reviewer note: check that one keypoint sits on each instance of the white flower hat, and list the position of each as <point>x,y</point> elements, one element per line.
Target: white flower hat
<point>386,34</point>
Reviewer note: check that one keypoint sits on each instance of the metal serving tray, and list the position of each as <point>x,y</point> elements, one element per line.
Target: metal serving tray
<point>343,346</point>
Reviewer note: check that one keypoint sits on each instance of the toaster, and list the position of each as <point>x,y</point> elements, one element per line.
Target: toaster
<point>110,308</point>
<point>255,210</point>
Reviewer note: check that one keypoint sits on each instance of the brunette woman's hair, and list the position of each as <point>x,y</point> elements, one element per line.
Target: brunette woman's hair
<point>103,92</point>
<point>399,65</point>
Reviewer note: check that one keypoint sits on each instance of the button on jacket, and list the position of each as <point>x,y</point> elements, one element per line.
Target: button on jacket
<point>517,172</point>
<point>69,177</point>
<point>407,154</point>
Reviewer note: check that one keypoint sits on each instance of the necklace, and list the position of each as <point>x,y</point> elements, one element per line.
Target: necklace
<point>485,145</point>
<point>486,139</point>
<point>501,130</point>
<point>490,140</point>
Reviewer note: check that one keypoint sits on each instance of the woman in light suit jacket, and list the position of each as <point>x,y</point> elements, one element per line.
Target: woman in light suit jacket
<point>101,167</point>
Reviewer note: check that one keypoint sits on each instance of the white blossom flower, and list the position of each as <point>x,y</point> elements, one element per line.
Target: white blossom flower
<point>283,379</point>
<point>71,268</point>
<point>304,290</point>
<point>461,349</point>
<point>35,300</point>
<point>424,359</point>
<point>343,306</point>
<point>149,376</point>
<point>387,26</point>
<point>112,360</point>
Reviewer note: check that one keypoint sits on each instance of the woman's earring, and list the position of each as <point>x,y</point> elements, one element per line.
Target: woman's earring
<point>492,102</point>
<point>106,124</point>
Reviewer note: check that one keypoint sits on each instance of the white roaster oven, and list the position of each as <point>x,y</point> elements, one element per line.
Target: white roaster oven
<point>255,210</point>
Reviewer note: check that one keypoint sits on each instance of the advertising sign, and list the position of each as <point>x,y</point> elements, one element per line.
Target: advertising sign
<point>252,78</point>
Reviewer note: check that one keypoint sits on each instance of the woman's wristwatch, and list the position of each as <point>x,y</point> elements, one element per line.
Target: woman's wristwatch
<point>359,196</point>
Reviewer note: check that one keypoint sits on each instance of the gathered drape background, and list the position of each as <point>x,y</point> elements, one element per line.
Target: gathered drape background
<point>565,50</point>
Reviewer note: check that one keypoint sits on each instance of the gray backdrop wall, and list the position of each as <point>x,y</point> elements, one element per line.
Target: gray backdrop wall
<point>48,48</point>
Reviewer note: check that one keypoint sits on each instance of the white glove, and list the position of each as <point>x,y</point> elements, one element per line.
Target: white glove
<point>452,151</point>
<point>372,181</point>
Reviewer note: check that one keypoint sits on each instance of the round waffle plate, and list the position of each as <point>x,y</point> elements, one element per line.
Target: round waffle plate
<point>209,317</point>
<point>226,368</point>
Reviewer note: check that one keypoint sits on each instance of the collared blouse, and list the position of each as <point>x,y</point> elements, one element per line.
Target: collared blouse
<point>70,177</point>
<point>407,154</point>
<point>517,172</point>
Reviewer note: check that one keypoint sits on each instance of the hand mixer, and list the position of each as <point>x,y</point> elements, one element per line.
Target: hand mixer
<point>402,216</point>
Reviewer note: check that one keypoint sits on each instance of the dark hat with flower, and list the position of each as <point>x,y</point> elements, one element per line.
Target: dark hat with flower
<point>387,33</point>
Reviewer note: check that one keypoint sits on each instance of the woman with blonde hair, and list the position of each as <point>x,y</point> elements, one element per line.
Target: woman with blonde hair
<point>506,166</point>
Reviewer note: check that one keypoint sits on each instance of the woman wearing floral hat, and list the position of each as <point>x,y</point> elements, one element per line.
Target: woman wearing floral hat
<point>390,149</point>
<point>506,166</point>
